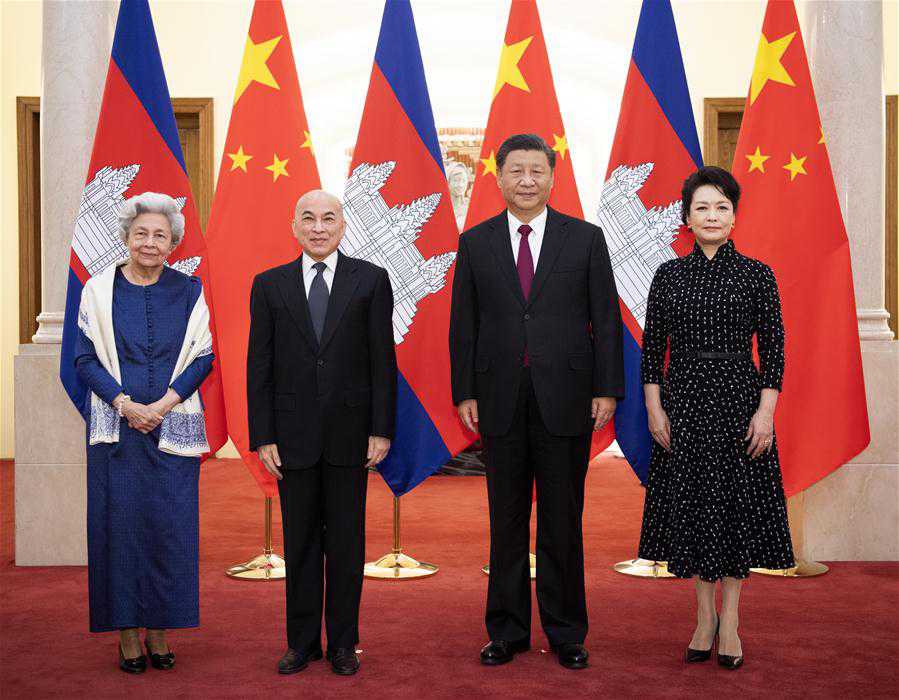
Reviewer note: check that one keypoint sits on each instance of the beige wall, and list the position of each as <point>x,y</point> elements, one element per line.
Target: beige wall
<point>20,74</point>
<point>589,47</point>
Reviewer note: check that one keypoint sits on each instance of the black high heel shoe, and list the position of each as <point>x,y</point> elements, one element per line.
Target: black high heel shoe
<point>136,665</point>
<point>731,663</point>
<point>163,662</point>
<point>695,656</point>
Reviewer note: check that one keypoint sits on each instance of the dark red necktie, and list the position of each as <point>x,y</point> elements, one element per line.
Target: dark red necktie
<point>525,261</point>
<point>525,269</point>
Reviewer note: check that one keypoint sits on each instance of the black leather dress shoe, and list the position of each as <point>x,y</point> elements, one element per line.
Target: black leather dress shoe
<point>163,662</point>
<point>731,663</point>
<point>137,665</point>
<point>499,651</point>
<point>294,661</point>
<point>344,662</point>
<point>571,655</point>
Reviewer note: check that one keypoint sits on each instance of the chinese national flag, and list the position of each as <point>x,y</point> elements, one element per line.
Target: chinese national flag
<point>789,217</point>
<point>524,102</point>
<point>268,163</point>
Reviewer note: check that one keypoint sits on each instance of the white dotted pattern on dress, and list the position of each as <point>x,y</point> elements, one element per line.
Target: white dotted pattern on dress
<point>710,511</point>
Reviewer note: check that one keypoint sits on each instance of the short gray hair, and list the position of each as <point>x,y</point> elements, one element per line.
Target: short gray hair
<point>151,203</point>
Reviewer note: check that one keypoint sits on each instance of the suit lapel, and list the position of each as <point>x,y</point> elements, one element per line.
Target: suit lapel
<point>498,234</point>
<point>342,288</point>
<point>554,236</point>
<point>293,292</point>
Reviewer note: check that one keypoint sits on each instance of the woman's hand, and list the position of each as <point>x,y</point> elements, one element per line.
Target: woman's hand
<point>140,417</point>
<point>166,403</point>
<point>760,434</point>
<point>761,428</point>
<point>659,426</point>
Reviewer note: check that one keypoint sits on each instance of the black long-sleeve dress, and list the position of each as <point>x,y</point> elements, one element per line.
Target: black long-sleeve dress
<point>710,510</point>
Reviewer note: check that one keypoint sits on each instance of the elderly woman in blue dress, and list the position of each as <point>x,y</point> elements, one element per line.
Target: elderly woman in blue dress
<point>144,348</point>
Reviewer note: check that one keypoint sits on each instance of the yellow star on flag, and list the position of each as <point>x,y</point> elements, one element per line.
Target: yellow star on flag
<point>239,159</point>
<point>757,160</point>
<point>795,166</point>
<point>561,145</point>
<point>489,164</point>
<point>509,73</point>
<point>278,168</point>
<point>308,142</point>
<point>254,66</point>
<point>821,140</point>
<point>768,65</point>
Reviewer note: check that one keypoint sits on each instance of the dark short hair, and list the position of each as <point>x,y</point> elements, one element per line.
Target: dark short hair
<point>524,142</point>
<point>719,178</point>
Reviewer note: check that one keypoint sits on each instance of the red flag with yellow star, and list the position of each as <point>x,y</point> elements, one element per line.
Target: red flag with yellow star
<point>524,101</point>
<point>268,163</point>
<point>789,217</point>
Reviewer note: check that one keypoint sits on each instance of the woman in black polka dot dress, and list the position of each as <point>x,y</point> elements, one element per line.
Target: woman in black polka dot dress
<point>714,500</point>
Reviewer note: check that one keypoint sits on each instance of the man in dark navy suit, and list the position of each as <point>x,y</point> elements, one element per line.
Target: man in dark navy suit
<point>321,393</point>
<point>536,359</point>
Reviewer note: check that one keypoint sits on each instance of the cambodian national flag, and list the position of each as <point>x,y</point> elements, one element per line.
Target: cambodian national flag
<point>655,149</point>
<point>399,217</point>
<point>136,149</point>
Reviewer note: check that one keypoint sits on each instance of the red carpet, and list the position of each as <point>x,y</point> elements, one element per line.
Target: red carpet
<point>837,635</point>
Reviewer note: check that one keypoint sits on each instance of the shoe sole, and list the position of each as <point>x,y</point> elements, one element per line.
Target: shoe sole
<point>574,667</point>
<point>291,671</point>
<point>344,673</point>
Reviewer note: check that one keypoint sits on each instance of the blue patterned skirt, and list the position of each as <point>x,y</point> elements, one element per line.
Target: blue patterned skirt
<point>142,535</point>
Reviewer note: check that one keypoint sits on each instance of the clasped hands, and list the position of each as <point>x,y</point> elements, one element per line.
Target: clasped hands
<point>378,447</point>
<point>601,411</point>
<point>146,417</point>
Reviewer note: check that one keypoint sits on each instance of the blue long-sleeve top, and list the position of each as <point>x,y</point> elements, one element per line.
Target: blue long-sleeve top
<point>149,324</point>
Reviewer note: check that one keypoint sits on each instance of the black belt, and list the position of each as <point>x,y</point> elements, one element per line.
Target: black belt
<point>714,355</point>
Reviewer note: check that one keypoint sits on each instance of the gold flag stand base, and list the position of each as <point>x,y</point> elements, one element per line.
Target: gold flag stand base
<point>644,568</point>
<point>268,566</point>
<point>532,559</point>
<point>397,565</point>
<point>803,569</point>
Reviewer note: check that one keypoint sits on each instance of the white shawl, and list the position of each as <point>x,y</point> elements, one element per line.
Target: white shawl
<point>183,429</point>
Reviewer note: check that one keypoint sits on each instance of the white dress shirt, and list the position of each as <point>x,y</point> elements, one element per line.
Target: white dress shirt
<point>535,237</point>
<point>328,273</point>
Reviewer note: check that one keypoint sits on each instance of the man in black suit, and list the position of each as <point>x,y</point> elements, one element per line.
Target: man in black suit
<point>321,394</point>
<point>536,359</point>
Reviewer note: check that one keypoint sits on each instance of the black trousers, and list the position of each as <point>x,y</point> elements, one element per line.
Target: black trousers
<point>323,515</point>
<point>529,453</point>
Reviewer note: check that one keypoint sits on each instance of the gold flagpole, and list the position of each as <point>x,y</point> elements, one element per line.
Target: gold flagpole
<point>804,568</point>
<point>395,564</point>
<point>267,566</point>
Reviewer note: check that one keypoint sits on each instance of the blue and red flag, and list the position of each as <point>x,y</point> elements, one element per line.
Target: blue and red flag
<point>655,149</point>
<point>399,217</point>
<point>136,149</point>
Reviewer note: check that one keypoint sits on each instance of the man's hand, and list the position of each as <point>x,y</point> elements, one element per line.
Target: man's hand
<point>377,450</point>
<point>271,460</point>
<point>468,413</point>
<point>602,410</point>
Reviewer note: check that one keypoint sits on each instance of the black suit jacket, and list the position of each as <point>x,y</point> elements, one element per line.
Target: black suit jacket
<point>321,399</point>
<point>570,324</point>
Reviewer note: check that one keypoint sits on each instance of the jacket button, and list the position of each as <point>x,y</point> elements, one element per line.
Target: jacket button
<point>321,363</point>
<point>527,317</point>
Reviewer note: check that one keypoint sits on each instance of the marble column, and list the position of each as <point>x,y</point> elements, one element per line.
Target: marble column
<point>853,514</point>
<point>49,433</point>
